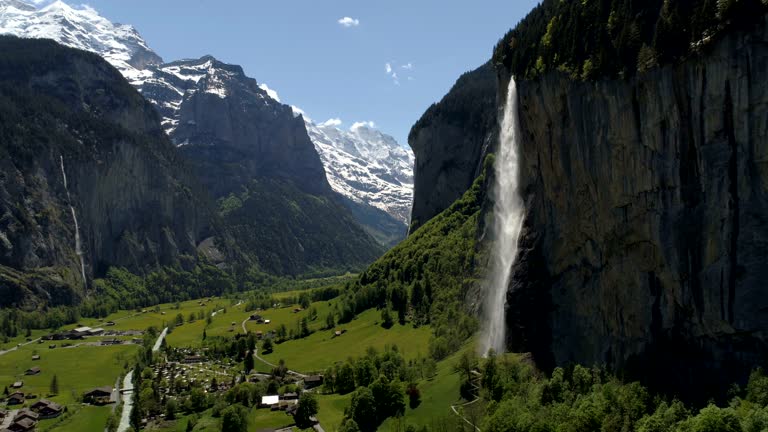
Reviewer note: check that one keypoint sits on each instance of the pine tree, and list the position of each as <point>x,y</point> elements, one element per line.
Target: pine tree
<point>204,334</point>
<point>248,362</point>
<point>54,385</point>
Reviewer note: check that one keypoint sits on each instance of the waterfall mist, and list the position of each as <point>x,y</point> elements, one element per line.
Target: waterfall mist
<point>508,215</point>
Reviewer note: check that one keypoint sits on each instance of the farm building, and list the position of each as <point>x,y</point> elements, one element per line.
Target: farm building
<point>268,401</point>
<point>99,396</point>
<point>313,381</point>
<point>16,398</point>
<point>47,409</point>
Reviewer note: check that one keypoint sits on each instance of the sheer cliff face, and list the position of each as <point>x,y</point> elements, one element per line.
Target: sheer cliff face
<point>449,142</point>
<point>68,113</point>
<point>647,218</point>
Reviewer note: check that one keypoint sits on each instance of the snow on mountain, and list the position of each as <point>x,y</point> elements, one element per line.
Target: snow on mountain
<point>361,163</point>
<point>81,28</point>
<point>366,165</point>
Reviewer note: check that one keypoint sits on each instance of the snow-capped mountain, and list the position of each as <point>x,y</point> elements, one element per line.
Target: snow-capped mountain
<point>361,163</point>
<point>82,28</point>
<point>366,165</point>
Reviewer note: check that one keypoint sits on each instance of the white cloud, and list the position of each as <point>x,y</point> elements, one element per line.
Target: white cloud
<point>358,125</point>
<point>410,78</point>
<point>271,93</point>
<point>334,122</point>
<point>407,66</point>
<point>389,69</point>
<point>348,22</point>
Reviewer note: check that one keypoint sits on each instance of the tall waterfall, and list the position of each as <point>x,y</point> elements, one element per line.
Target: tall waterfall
<point>78,245</point>
<point>508,221</point>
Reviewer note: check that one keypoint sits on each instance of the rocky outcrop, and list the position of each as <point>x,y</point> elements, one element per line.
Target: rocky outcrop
<point>79,142</point>
<point>254,156</point>
<point>646,232</point>
<point>450,141</point>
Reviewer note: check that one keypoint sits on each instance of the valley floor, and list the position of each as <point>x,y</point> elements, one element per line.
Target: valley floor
<point>87,364</point>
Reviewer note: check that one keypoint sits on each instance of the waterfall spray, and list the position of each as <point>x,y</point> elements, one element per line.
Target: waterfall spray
<point>508,221</point>
<point>78,245</point>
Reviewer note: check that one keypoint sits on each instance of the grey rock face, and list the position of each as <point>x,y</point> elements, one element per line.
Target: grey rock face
<point>136,204</point>
<point>232,127</point>
<point>450,141</point>
<point>647,219</point>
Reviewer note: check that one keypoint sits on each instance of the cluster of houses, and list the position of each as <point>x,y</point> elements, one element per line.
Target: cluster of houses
<point>259,319</point>
<point>81,333</point>
<point>286,402</point>
<point>75,334</point>
<point>26,419</point>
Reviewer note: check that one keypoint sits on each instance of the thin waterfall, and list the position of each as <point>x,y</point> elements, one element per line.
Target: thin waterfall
<point>508,213</point>
<point>78,245</point>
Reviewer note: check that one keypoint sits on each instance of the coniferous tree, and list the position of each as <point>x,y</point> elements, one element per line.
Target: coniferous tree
<point>54,385</point>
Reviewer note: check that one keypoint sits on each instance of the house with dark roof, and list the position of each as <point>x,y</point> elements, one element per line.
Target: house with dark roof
<point>313,381</point>
<point>33,371</point>
<point>26,414</point>
<point>23,425</point>
<point>99,396</point>
<point>47,409</point>
<point>16,398</point>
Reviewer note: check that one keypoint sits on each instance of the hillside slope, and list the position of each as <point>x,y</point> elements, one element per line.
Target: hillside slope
<point>89,179</point>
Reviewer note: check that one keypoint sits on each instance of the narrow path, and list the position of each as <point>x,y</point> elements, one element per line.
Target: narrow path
<point>17,346</point>
<point>125,416</point>
<point>159,341</point>
<point>245,330</point>
<point>292,372</point>
<point>455,411</point>
<point>6,422</point>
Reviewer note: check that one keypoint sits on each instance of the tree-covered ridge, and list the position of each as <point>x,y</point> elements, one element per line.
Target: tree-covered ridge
<point>427,277</point>
<point>617,38</point>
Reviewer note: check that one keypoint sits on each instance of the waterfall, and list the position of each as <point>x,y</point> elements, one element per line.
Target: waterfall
<point>508,221</point>
<point>78,245</point>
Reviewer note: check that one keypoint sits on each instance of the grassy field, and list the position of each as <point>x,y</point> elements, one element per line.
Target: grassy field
<point>79,419</point>
<point>330,411</point>
<point>322,349</point>
<point>266,419</point>
<point>78,369</point>
<point>437,396</point>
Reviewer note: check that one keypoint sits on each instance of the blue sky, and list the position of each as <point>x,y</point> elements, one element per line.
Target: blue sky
<point>328,68</point>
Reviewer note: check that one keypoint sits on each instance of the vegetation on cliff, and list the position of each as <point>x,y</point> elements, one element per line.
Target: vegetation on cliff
<point>517,398</point>
<point>427,277</point>
<point>600,38</point>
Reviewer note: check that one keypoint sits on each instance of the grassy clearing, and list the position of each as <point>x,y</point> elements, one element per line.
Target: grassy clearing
<point>330,411</point>
<point>80,419</point>
<point>437,396</point>
<point>322,349</point>
<point>78,369</point>
<point>259,419</point>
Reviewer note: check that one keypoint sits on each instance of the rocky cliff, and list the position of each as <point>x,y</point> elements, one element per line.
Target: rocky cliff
<point>450,141</point>
<point>253,154</point>
<point>646,234</point>
<point>89,179</point>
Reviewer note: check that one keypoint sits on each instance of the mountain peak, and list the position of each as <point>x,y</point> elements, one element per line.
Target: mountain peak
<point>82,28</point>
<point>17,4</point>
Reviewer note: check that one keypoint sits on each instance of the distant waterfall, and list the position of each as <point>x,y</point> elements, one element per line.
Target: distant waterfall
<point>508,221</point>
<point>78,245</point>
